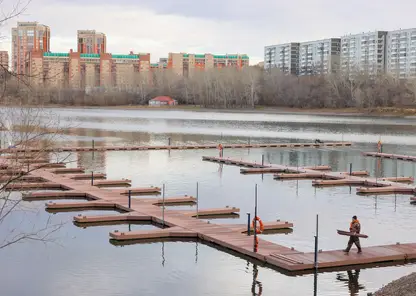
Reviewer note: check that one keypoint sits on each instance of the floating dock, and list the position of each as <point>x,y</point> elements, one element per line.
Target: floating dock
<point>390,156</point>
<point>182,224</point>
<point>273,170</point>
<point>175,147</point>
<point>387,185</point>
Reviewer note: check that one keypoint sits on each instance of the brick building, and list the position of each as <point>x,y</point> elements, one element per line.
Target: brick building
<point>85,70</point>
<point>28,36</point>
<point>185,64</point>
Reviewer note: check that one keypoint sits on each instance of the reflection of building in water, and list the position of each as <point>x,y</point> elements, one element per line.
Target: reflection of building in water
<point>352,281</point>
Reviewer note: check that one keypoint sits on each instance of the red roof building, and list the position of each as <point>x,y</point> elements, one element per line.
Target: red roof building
<point>162,101</point>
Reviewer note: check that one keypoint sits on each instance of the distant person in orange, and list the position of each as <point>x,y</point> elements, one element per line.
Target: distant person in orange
<point>355,227</point>
<point>220,148</point>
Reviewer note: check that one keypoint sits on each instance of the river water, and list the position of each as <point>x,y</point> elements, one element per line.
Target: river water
<point>83,262</point>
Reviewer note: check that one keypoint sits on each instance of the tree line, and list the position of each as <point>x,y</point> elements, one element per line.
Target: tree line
<point>234,88</point>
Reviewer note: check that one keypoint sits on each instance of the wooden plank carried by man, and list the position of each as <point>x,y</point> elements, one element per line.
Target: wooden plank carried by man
<point>354,234</point>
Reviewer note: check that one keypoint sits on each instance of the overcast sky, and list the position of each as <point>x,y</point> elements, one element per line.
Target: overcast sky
<point>216,26</point>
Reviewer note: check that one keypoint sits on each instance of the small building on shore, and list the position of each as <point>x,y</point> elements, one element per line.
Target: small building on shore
<point>162,101</point>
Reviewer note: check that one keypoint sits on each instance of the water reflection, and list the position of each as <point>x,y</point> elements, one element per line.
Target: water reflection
<point>256,286</point>
<point>351,281</point>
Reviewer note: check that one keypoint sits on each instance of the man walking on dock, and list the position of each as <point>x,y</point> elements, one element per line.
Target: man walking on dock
<point>355,228</point>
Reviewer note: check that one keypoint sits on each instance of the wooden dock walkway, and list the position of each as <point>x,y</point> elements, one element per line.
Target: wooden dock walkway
<point>175,147</point>
<point>389,185</point>
<point>182,224</point>
<point>390,156</point>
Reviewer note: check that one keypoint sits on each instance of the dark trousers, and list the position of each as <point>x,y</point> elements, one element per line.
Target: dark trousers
<point>353,240</point>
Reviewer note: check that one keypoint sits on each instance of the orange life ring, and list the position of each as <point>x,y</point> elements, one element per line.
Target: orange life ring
<point>220,147</point>
<point>260,227</point>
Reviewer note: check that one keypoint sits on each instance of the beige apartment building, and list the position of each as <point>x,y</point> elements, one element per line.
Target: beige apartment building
<point>184,63</point>
<point>28,36</point>
<point>4,59</point>
<point>90,41</point>
<point>85,71</point>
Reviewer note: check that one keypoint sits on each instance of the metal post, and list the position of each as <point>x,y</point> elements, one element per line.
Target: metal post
<point>249,141</point>
<point>197,198</point>
<point>93,148</point>
<point>255,216</point>
<point>316,243</point>
<point>350,169</point>
<point>92,178</point>
<point>163,206</point>
<point>248,224</point>
<point>169,142</point>
<point>129,199</point>
<point>262,160</point>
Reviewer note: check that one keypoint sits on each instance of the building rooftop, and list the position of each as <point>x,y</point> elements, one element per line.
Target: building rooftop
<point>91,55</point>
<point>225,56</point>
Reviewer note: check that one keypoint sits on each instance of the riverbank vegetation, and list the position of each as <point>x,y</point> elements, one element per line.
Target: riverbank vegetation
<point>231,88</point>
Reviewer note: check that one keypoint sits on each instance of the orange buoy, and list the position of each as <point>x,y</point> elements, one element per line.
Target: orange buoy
<point>260,226</point>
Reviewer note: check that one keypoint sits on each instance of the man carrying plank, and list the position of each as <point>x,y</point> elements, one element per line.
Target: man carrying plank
<point>355,228</point>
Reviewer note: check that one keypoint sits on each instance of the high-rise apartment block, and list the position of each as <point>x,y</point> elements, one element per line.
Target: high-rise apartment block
<point>372,53</point>
<point>90,41</point>
<point>283,56</point>
<point>86,70</point>
<point>185,64</point>
<point>161,65</point>
<point>364,53</point>
<point>4,59</point>
<point>319,57</point>
<point>401,53</point>
<point>28,36</point>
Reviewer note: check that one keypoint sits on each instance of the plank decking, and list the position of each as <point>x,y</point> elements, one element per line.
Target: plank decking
<point>174,147</point>
<point>182,224</point>
<point>387,185</point>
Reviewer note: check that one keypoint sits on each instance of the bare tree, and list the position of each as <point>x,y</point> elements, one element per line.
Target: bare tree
<point>21,128</point>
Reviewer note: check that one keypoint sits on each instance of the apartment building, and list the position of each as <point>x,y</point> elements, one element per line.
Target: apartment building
<point>401,53</point>
<point>364,53</point>
<point>4,59</point>
<point>162,64</point>
<point>90,41</point>
<point>85,70</point>
<point>319,57</point>
<point>28,36</point>
<point>283,56</point>
<point>185,64</point>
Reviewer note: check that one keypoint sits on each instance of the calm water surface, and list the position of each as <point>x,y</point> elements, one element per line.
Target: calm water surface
<point>83,262</point>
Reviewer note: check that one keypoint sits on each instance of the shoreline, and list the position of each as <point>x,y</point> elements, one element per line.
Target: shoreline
<point>376,112</point>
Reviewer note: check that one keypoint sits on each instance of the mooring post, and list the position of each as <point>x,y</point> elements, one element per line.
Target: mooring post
<point>197,199</point>
<point>163,206</point>
<point>255,219</point>
<point>262,160</point>
<point>316,243</point>
<point>351,169</point>
<point>248,224</point>
<point>129,199</point>
<point>92,178</point>
<point>93,148</point>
